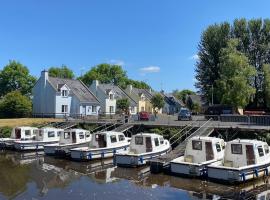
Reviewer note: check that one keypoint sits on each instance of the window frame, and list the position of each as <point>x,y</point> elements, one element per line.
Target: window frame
<point>113,138</point>
<point>121,138</point>
<point>218,147</point>
<point>51,134</point>
<point>156,140</point>
<point>27,132</point>
<point>235,152</point>
<point>260,151</point>
<point>65,135</point>
<point>194,145</point>
<point>139,140</point>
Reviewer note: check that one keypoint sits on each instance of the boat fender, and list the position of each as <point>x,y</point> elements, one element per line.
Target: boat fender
<point>141,159</point>
<point>256,172</point>
<point>243,175</point>
<point>89,156</point>
<point>102,154</point>
<point>266,171</point>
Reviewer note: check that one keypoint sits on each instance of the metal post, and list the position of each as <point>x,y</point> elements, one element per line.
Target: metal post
<point>212,94</point>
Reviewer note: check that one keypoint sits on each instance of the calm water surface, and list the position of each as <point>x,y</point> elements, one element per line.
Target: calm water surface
<point>35,176</point>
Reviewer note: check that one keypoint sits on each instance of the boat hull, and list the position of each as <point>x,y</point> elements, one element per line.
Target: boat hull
<point>32,146</point>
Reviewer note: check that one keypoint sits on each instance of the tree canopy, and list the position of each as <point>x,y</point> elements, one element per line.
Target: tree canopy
<point>233,87</point>
<point>16,76</point>
<point>266,72</point>
<point>157,102</point>
<point>182,95</point>
<point>61,72</point>
<point>123,105</point>
<point>15,105</point>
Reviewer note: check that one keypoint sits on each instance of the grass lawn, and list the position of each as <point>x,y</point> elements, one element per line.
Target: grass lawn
<point>26,121</point>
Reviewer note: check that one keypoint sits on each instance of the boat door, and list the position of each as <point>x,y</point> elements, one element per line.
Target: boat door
<point>18,133</point>
<point>250,155</point>
<point>73,137</point>
<point>148,144</point>
<point>209,151</point>
<point>101,141</point>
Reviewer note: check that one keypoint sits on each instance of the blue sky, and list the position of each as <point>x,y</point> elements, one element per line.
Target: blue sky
<point>154,40</point>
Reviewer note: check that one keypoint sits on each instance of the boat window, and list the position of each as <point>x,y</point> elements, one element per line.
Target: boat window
<point>40,133</point>
<point>260,151</point>
<point>121,137</point>
<point>196,145</point>
<point>81,135</point>
<point>97,136</point>
<point>156,142</point>
<point>113,139</point>
<point>58,133</point>
<point>161,140</point>
<point>66,135</point>
<point>51,134</point>
<point>27,132</point>
<point>218,147</point>
<point>266,149</point>
<point>87,134</point>
<point>139,140</point>
<point>236,148</point>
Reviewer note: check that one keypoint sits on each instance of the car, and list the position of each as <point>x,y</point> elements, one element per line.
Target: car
<point>184,114</point>
<point>144,116</point>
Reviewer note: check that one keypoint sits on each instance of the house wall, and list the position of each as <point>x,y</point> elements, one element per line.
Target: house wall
<point>62,100</point>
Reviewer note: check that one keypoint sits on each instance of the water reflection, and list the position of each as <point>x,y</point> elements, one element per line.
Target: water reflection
<point>28,175</point>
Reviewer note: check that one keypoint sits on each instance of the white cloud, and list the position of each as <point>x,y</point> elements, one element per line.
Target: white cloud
<point>194,57</point>
<point>116,62</point>
<point>150,69</point>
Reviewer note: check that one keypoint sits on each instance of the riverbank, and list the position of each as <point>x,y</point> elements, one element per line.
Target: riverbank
<point>26,121</point>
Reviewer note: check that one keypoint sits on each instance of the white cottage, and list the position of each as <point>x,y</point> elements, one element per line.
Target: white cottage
<point>60,97</point>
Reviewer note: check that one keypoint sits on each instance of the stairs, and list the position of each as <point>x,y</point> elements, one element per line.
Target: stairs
<point>123,127</point>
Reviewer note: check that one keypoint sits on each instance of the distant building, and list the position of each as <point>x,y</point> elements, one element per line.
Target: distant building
<point>196,99</point>
<point>58,97</point>
<point>172,104</point>
<point>108,94</point>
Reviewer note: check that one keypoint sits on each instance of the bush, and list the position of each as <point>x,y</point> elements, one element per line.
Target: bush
<point>5,132</point>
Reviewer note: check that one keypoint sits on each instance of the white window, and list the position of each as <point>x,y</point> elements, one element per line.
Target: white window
<point>156,142</point>
<point>111,96</point>
<point>139,140</point>
<point>94,109</point>
<point>51,134</point>
<point>260,151</point>
<point>64,108</point>
<point>236,148</point>
<point>27,132</point>
<point>196,145</point>
<point>218,147</point>
<point>113,139</point>
<point>66,135</point>
<point>132,109</point>
<point>64,93</point>
<point>111,109</point>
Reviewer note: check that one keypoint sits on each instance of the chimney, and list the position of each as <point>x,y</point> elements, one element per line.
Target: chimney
<point>44,76</point>
<point>95,84</point>
<point>129,88</point>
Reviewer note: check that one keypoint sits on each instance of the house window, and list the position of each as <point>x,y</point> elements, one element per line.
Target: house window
<point>196,145</point>
<point>64,108</point>
<point>64,93</point>
<point>111,109</point>
<point>111,96</point>
<point>236,148</point>
<point>132,109</point>
<point>113,139</point>
<point>51,134</point>
<point>94,109</point>
<point>139,140</point>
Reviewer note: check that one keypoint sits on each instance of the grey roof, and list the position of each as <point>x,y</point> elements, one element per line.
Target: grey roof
<point>174,99</point>
<point>195,98</point>
<point>146,93</point>
<point>77,88</point>
<point>119,93</point>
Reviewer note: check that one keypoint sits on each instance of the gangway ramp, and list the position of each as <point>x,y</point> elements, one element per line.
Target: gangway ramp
<point>123,127</point>
<point>161,163</point>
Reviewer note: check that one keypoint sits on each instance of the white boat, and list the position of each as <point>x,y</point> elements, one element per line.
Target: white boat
<point>69,139</point>
<point>243,160</point>
<point>43,137</point>
<point>18,133</point>
<point>143,147</point>
<point>200,152</point>
<point>103,145</point>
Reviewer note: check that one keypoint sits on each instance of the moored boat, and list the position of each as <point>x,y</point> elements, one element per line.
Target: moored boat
<point>44,136</point>
<point>243,160</point>
<point>200,152</point>
<point>143,147</point>
<point>103,145</point>
<point>18,133</point>
<point>69,139</point>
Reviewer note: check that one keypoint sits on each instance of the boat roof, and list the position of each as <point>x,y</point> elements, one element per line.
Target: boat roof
<point>246,141</point>
<point>51,128</point>
<point>76,130</point>
<point>26,127</point>
<point>148,134</point>
<point>204,138</point>
<point>109,133</point>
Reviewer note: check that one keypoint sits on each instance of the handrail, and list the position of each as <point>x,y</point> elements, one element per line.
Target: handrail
<point>188,125</point>
<point>186,133</point>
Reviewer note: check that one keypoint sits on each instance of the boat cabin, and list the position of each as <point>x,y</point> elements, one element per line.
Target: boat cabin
<point>23,132</point>
<point>201,149</point>
<point>107,139</point>
<point>240,153</point>
<point>48,134</point>
<point>73,136</point>
<point>146,142</point>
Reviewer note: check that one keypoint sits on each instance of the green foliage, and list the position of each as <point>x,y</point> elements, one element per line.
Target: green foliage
<point>182,95</point>
<point>15,76</point>
<point>123,105</point>
<point>15,105</point>
<point>61,72</point>
<point>157,102</point>
<point>266,73</point>
<point>195,107</point>
<point>233,87</point>
<point>5,132</point>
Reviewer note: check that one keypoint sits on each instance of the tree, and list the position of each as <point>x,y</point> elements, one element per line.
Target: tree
<point>157,102</point>
<point>266,73</point>
<point>233,87</point>
<point>123,105</point>
<point>182,95</point>
<point>15,76</point>
<point>61,72</point>
<point>15,105</point>
<point>195,107</point>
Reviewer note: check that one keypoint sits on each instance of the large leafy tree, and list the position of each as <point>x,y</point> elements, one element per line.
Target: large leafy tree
<point>61,72</point>
<point>15,105</point>
<point>233,87</point>
<point>16,76</point>
<point>157,102</point>
<point>123,105</point>
<point>266,72</point>
<point>182,95</point>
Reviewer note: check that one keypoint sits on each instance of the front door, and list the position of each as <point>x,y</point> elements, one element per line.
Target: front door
<point>209,151</point>
<point>148,143</point>
<point>250,155</point>
<point>73,137</point>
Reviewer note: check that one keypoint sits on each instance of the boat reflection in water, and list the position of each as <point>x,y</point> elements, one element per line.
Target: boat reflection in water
<point>22,174</point>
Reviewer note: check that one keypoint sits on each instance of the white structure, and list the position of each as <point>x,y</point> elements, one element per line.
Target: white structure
<point>69,139</point>
<point>103,145</point>
<point>143,147</point>
<point>108,94</point>
<point>43,137</point>
<point>243,160</point>
<point>200,152</point>
<point>18,133</point>
<point>60,97</point>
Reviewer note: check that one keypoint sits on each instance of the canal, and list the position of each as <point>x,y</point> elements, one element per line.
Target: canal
<point>35,176</point>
